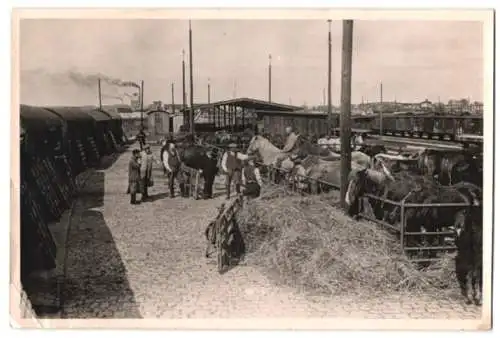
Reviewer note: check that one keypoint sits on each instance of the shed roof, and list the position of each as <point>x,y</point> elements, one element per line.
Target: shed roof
<point>111,112</point>
<point>37,118</point>
<point>249,103</point>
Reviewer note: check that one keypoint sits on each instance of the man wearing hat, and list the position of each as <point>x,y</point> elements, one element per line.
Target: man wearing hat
<point>232,165</point>
<point>141,137</point>
<point>251,178</point>
<point>134,175</point>
<point>147,160</point>
<point>172,164</point>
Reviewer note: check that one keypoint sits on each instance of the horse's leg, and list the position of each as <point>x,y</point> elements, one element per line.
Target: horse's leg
<point>478,271</point>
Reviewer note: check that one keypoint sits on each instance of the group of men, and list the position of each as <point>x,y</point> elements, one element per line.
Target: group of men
<point>238,168</point>
<point>140,174</point>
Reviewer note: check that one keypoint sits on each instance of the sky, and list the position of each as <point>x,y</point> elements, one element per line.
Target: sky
<point>415,60</point>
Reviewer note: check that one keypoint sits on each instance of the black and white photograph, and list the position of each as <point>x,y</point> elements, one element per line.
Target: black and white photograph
<point>201,166</point>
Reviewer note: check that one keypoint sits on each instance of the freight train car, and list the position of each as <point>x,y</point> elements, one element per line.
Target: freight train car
<point>54,143</point>
<point>79,132</point>
<point>429,126</point>
<point>117,135</point>
<point>103,129</point>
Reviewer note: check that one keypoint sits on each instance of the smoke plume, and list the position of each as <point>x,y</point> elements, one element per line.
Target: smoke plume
<point>44,87</point>
<point>90,80</point>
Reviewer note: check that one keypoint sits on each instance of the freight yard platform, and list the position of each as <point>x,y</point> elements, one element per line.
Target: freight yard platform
<point>147,261</point>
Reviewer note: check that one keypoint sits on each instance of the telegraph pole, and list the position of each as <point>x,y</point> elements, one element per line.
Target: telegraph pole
<point>191,110</point>
<point>381,131</point>
<point>142,104</point>
<point>208,90</point>
<point>269,76</point>
<point>99,93</point>
<point>345,108</point>
<point>330,117</point>
<point>171,117</point>
<point>184,88</point>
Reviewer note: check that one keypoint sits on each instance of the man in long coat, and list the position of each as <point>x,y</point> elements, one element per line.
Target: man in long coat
<point>147,160</point>
<point>134,176</point>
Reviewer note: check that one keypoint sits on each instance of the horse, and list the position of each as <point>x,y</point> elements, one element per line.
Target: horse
<point>196,157</point>
<point>413,189</point>
<point>450,167</point>
<point>269,154</point>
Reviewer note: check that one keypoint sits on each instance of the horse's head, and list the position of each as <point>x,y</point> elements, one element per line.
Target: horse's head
<point>254,145</point>
<point>364,181</point>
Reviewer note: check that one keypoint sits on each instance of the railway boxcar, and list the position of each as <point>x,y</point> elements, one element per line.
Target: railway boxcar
<point>362,122</point>
<point>472,125</point>
<point>103,125</point>
<point>45,165</point>
<point>117,135</point>
<point>42,129</point>
<point>79,132</point>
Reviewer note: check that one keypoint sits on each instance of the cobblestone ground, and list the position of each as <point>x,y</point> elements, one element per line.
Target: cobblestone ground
<point>148,261</point>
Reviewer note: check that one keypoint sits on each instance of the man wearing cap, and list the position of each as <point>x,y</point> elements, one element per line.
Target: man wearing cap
<point>251,179</point>
<point>232,165</point>
<point>172,164</point>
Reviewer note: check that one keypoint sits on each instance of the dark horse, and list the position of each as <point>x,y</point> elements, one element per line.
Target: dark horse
<point>195,156</point>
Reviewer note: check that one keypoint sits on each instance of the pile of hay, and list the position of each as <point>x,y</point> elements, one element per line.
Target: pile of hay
<point>307,243</point>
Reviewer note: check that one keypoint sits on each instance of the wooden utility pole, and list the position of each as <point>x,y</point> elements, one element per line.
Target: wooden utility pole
<point>191,110</point>
<point>381,130</point>
<point>142,104</point>
<point>184,106</point>
<point>99,93</point>
<point>345,108</point>
<point>171,116</point>
<point>208,90</point>
<point>330,117</point>
<point>269,76</point>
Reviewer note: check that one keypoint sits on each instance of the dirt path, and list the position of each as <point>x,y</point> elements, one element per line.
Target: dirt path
<point>147,261</point>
